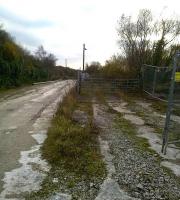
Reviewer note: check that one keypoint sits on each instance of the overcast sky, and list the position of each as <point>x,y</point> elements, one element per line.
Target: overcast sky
<point>62,26</point>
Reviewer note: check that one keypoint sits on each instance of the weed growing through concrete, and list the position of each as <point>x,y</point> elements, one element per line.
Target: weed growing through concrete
<point>73,153</point>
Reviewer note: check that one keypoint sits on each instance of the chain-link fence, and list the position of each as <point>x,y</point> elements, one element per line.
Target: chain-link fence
<point>156,82</point>
<point>163,83</point>
<point>105,85</point>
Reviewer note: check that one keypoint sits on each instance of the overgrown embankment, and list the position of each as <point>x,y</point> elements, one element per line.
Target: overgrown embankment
<point>18,66</point>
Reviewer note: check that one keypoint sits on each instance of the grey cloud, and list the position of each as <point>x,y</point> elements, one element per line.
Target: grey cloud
<point>26,38</point>
<point>7,15</point>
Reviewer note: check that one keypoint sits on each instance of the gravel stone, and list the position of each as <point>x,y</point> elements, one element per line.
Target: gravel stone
<point>138,172</point>
<point>80,116</point>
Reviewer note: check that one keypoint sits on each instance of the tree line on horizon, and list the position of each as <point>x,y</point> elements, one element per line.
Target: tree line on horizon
<point>18,66</point>
<point>141,41</point>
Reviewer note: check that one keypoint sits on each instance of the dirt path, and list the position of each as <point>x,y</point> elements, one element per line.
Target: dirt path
<point>24,119</point>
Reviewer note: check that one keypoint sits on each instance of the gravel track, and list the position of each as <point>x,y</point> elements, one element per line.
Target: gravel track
<point>138,172</point>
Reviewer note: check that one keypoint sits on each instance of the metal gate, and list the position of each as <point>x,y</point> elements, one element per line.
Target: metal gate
<point>105,85</point>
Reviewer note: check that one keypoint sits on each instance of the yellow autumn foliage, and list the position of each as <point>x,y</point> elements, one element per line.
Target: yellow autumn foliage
<point>10,51</point>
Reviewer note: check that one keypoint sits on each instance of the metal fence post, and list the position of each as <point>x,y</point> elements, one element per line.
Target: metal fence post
<point>154,82</point>
<point>141,83</point>
<point>165,135</point>
<point>79,82</point>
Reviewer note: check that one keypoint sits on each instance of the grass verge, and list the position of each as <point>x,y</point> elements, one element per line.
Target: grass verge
<point>73,152</point>
<point>130,130</point>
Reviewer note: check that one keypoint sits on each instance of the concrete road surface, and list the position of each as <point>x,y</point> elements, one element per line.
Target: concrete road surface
<point>24,118</point>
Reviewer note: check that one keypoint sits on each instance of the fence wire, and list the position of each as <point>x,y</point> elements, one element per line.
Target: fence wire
<point>157,82</point>
<point>93,84</point>
<point>110,85</point>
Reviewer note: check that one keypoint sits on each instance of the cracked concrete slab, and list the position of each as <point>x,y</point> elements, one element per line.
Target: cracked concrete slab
<point>60,196</point>
<point>110,191</point>
<point>134,119</point>
<point>174,167</point>
<point>120,107</point>
<point>22,169</point>
<point>154,140</point>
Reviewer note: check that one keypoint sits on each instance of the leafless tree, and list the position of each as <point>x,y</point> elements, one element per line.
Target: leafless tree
<point>137,38</point>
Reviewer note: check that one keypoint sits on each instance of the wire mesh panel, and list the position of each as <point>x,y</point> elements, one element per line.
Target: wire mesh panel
<point>109,85</point>
<point>163,83</point>
<point>156,81</point>
<point>177,93</point>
